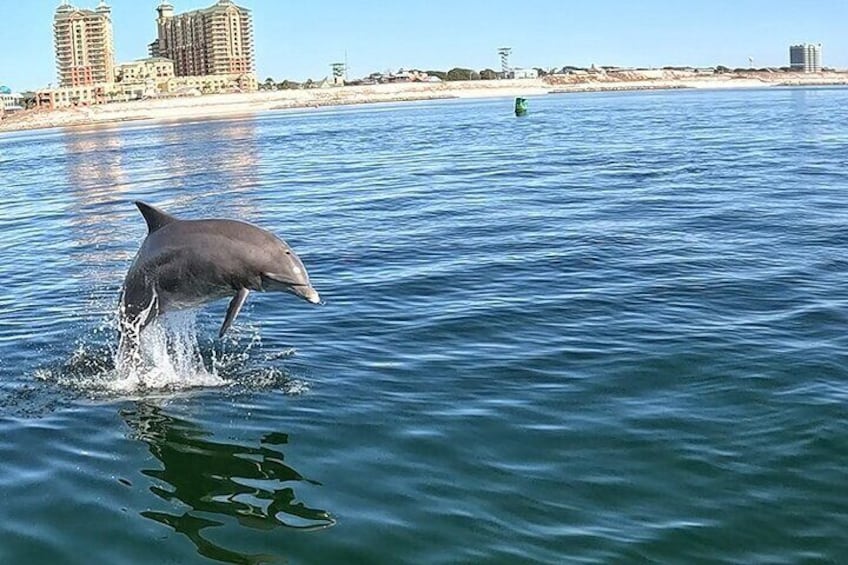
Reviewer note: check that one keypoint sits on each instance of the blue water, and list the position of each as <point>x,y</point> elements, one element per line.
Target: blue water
<point>612,331</point>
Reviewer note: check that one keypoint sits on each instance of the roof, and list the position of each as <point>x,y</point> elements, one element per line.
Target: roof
<point>220,4</point>
<point>149,60</point>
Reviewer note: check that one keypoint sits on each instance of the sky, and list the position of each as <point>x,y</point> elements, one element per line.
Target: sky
<point>299,39</point>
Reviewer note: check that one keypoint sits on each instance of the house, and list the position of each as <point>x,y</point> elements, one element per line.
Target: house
<point>519,73</point>
<point>10,101</point>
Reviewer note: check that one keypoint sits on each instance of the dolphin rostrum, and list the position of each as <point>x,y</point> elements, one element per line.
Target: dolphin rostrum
<point>186,263</point>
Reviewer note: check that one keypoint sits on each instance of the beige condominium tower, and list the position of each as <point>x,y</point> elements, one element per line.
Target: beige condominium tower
<point>85,52</point>
<point>214,41</point>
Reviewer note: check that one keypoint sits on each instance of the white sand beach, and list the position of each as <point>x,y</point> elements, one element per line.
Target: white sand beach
<point>228,105</point>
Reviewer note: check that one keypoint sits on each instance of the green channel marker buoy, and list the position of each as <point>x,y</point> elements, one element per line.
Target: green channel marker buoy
<point>520,106</point>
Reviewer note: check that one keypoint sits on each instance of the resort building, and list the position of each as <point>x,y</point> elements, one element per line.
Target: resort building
<point>157,69</point>
<point>212,84</point>
<point>523,73</point>
<point>805,58</point>
<point>70,96</point>
<point>213,41</point>
<point>9,101</point>
<point>200,52</point>
<point>85,52</point>
<point>145,78</point>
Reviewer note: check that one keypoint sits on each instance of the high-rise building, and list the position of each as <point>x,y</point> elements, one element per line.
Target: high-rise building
<point>85,52</point>
<point>213,41</point>
<point>805,58</point>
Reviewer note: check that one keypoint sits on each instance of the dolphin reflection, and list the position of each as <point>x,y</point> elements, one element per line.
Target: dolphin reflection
<point>218,479</point>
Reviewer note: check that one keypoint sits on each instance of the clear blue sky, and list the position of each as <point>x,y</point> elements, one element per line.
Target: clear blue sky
<point>298,39</point>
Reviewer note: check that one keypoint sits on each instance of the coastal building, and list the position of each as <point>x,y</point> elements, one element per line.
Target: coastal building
<point>217,40</point>
<point>85,52</point>
<point>339,73</point>
<point>520,73</point>
<point>144,78</point>
<point>805,58</point>
<point>157,69</point>
<point>154,78</point>
<point>212,84</point>
<point>71,96</point>
<point>9,101</point>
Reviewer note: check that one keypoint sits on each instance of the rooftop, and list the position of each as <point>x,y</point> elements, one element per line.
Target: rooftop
<point>215,7</point>
<point>65,7</point>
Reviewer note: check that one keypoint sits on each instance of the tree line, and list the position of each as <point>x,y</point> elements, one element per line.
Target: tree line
<point>456,73</point>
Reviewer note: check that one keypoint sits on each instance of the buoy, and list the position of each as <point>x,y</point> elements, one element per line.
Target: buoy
<point>520,106</point>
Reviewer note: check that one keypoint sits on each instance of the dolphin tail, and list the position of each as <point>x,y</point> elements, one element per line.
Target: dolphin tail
<point>233,310</point>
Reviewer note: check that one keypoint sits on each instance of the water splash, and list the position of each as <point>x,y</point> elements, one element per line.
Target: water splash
<point>170,358</point>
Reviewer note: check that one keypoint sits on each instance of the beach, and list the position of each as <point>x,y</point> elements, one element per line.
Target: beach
<point>228,105</point>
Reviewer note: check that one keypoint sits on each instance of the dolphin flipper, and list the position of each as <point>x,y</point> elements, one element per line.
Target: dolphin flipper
<point>232,311</point>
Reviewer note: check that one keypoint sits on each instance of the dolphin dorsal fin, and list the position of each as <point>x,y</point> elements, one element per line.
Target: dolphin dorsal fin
<point>154,217</point>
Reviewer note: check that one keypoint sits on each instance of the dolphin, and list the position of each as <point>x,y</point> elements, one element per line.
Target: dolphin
<point>187,263</point>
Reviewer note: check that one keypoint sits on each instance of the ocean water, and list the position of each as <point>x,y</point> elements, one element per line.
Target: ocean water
<point>612,331</point>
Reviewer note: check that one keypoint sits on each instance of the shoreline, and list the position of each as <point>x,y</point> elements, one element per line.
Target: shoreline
<point>220,106</point>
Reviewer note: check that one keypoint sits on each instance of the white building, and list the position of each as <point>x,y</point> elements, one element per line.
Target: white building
<point>10,101</point>
<point>806,58</point>
<point>523,73</point>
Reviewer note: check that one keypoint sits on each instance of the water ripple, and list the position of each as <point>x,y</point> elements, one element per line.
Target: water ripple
<point>613,331</point>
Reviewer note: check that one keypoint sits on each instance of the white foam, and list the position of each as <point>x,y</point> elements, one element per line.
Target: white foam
<point>168,357</point>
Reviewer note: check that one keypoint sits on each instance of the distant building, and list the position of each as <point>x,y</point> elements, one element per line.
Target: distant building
<point>523,73</point>
<point>212,84</point>
<point>213,41</point>
<point>401,75</point>
<point>339,73</point>
<point>10,101</point>
<point>71,96</point>
<point>806,58</point>
<point>143,78</point>
<point>85,52</point>
<point>158,69</point>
